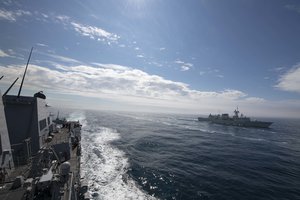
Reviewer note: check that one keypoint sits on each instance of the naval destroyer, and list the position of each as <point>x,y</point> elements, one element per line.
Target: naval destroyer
<point>235,120</point>
<point>39,157</point>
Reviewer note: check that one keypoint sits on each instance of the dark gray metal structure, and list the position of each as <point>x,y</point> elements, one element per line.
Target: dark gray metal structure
<point>45,168</point>
<point>28,123</point>
<point>6,160</point>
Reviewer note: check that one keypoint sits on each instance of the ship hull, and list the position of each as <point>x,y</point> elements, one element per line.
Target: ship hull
<point>254,124</point>
<point>240,123</point>
<point>203,119</point>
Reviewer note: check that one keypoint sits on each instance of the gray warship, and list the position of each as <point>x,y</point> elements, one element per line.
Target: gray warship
<point>39,157</point>
<point>235,120</point>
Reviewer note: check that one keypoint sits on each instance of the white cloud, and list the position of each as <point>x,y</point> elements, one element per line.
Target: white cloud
<point>162,48</point>
<point>41,45</point>
<point>112,80</point>
<point>188,64</point>
<point>179,62</point>
<point>94,32</point>
<point>155,63</point>
<point>64,59</point>
<point>7,15</point>
<point>11,54</point>
<point>128,86</point>
<point>140,56</point>
<point>231,94</point>
<point>112,66</point>
<point>58,58</point>
<point>3,54</point>
<point>185,66</point>
<point>7,2</point>
<point>278,69</point>
<point>12,15</point>
<point>44,15</point>
<point>290,81</point>
<point>220,76</point>
<point>63,18</point>
<point>255,100</point>
<point>137,48</point>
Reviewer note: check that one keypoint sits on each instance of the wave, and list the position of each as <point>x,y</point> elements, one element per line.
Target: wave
<point>179,159</point>
<point>104,167</point>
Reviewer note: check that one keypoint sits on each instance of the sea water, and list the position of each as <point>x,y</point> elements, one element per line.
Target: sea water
<point>165,156</point>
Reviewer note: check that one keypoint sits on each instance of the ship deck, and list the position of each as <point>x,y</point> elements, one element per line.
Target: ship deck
<point>62,136</point>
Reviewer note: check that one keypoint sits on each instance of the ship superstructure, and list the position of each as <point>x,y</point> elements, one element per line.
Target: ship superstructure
<point>29,121</point>
<point>39,159</point>
<point>6,159</point>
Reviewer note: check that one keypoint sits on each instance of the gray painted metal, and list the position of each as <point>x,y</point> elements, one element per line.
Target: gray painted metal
<point>5,149</point>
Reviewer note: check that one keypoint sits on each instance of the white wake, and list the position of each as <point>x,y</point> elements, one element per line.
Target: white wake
<point>104,166</point>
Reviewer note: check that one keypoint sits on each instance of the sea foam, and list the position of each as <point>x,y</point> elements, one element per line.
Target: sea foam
<point>104,166</point>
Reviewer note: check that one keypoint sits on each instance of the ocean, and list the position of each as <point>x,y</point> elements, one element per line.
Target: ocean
<point>165,156</point>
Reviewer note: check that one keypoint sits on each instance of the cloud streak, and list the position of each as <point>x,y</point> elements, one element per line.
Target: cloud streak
<point>95,33</point>
<point>290,81</point>
<point>12,15</point>
<point>184,66</point>
<point>3,54</point>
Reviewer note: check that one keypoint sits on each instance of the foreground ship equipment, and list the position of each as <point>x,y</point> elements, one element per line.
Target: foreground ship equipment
<point>236,120</point>
<point>39,159</point>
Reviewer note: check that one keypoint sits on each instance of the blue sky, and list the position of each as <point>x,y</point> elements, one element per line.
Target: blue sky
<point>166,56</point>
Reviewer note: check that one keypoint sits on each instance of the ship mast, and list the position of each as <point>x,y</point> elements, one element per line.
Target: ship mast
<point>236,112</point>
<point>25,73</point>
<point>10,87</point>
